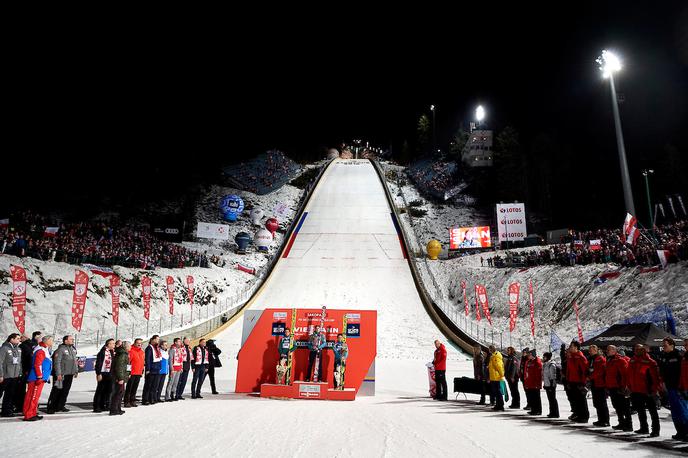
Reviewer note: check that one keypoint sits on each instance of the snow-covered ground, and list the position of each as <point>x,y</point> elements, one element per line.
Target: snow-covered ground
<point>346,256</point>
<point>50,284</point>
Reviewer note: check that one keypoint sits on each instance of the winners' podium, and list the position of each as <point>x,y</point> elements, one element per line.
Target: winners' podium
<point>258,357</point>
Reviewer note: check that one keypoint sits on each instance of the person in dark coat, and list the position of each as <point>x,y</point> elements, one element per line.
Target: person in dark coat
<point>152,363</point>
<point>103,368</point>
<point>201,361</point>
<point>214,361</point>
<point>524,359</point>
<point>479,371</point>
<point>120,375</point>
<point>10,371</point>
<point>186,367</point>
<point>512,374</point>
<point>670,370</point>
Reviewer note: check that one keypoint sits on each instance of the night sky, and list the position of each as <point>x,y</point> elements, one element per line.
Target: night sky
<point>150,115</point>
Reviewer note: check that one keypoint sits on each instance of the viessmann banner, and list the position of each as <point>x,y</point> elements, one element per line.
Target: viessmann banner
<point>511,222</point>
<point>469,237</point>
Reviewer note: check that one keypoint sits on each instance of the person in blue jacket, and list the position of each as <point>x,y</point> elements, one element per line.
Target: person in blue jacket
<point>316,342</point>
<point>39,374</point>
<point>164,370</point>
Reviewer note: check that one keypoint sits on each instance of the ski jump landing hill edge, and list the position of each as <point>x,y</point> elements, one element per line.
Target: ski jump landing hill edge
<point>348,253</point>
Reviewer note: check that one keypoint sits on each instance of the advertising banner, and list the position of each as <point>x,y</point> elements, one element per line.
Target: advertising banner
<point>79,298</point>
<point>19,297</point>
<point>212,231</point>
<point>469,237</point>
<point>511,222</point>
<point>114,292</point>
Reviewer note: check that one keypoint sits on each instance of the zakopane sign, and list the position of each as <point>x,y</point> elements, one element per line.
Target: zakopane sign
<point>79,298</point>
<point>114,291</point>
<point>511,222</point>
<point>146,291</point>
<point>514,292</point>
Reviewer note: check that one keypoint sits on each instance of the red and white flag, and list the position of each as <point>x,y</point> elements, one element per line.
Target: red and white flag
<point>248,270</point>
<point>79,298</point>
<point>477,306</point>
<point>631,230</point>
<point>663,256</point>
<point>514,292</point>
<point>5,222</point>
<point>170,293</point>
<point>595,245</point>
<point>482,297</point>
<point>19,297</point>
<point>465,300</point>
<point>532,308</point>
<point>114,292</point>
<point>190,288</point>
<point>146,289</point>
<point>580,330</point>
<point>50,231</point>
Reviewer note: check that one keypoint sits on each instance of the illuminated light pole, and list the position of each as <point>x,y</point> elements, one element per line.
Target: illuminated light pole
<point>434,137</point>
<point>647,172</point>
<point>609,64</point>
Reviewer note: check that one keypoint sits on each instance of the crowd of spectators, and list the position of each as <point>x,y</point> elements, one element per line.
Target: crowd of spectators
<point>575,249</point>
<point>95,243</point>
<point>433,177</point>
<point>264,174</point>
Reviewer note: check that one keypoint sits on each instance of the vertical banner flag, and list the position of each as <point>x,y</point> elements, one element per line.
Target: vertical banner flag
<point>190,288</point>
<point>465,299</point>
<point>79,298</point>
<point>477,306</point>
<point>514,292</point>
<point>532,308</point>
<point>146,286</point>
<point>482,296</point>
<point>630,229</point>
<point>170,293</point>
<point>114,291</point>
<point>663,256</point>
<point>580,330</point>
<point>19,297</point>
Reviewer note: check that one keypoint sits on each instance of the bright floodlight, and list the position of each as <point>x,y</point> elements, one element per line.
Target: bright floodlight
<point>480,113</point>
<point>609,63</point>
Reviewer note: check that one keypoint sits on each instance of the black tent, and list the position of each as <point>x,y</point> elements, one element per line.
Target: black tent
<point>625,336</point>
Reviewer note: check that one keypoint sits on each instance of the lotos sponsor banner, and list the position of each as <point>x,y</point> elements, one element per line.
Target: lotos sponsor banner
<point>469,237</point>
<point>482,298</point>
<point>514,291</point>
<point>146,291</point>
<point>79,298</point>
<point>19,297</point>
<point>212,231</point>
<point>190,288</point>
<point>114,291</point>
<point>170,293</point>
<point>511,222</point>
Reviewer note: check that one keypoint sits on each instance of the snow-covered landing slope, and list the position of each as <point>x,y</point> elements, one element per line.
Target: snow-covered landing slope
<point>347,255</point>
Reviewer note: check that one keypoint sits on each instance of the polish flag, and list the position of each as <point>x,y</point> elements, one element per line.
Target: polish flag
<point>482,296</point>
<point>595,245</point>
<point>663,258</point>
<point>629,222</point>
<point>50,231</point>
<point>4,223</point>
<point>580,329</point>
<point>514,291</point>
<point>465,300</point>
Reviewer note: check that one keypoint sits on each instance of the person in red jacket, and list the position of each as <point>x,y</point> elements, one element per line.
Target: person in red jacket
<point>440,363</point>
<point>598,367</point>
<point>136,359</point>
<point>644,383</point>
<point>576,377</point>
<point>532,380</point>
<point>41,367</point>
<point>616,382</point>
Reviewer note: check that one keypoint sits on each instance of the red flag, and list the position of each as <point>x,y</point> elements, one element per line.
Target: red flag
<point>532,308</point>
<point>50,231</point>
<point>248,270</point>
<point>580,330</point>
<point>514,292</point>
<point>482,296</point>
<point>170,293</point>
<point>465,300</point>
<point>190,288</point>
<point>629,222</point>
<point>79,298</point>
<point>146,286</point>
<point>114,291</point>
<point>477,307</point>
<point>19,297</point>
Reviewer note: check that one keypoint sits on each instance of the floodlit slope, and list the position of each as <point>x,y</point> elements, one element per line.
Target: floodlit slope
<point>347,254</point>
